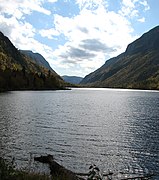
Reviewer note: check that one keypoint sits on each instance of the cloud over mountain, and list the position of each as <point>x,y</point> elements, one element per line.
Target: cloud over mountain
<point>95,45</point>
<point>74,36</point>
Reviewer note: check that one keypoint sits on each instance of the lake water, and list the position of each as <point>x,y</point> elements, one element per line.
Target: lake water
<point>114,129</point>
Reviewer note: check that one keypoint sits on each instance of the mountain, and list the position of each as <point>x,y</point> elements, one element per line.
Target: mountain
<point>37,58</point>
<point>19,71</point>
<point>72,79</point>
<point>137,67</point>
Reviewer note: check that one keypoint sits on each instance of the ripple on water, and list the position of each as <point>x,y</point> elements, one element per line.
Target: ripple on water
<point>114,129</point>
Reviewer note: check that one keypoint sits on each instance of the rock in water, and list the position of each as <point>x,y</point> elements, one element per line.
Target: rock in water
<point>56,169</point>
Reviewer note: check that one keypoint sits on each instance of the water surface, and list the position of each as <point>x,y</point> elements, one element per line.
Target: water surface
<point>114,129</point>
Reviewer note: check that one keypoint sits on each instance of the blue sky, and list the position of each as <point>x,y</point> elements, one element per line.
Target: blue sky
<point>76,36</point>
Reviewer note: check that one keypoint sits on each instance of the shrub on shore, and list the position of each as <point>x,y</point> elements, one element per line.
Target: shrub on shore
<point>7,172</point>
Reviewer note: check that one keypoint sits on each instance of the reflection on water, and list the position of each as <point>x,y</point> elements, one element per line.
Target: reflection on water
<point>115,129</point>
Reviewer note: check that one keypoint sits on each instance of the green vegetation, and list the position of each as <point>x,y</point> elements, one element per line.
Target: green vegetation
<point>139,71</point>
<point>137,67</point>
<point>22,80</point>
<point>8,173</point>
<point>20,72</point>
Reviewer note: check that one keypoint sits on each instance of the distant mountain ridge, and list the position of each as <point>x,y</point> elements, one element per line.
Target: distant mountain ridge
<point>149,41</point>
<point>137,67</point>
<point>72,79</point>
<point>19,71</point>
<point>37,58</point>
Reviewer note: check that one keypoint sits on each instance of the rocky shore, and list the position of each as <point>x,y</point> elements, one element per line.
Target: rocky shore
<point>56,170</point>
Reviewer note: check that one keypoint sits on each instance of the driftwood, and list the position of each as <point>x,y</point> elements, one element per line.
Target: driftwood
<point>56,169</point>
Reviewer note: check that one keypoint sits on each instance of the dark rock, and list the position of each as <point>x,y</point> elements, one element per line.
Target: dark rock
<point>56,169</point>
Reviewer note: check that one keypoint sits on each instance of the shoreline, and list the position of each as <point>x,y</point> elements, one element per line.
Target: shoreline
<point>43,89</point>
<point>57,172</point>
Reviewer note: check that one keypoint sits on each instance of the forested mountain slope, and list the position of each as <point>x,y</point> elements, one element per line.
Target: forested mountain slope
<point>37,58</point>
<point>137,67</point>
<point>18,71</point>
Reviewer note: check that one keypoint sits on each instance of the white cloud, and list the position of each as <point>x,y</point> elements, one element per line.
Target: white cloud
<point>91,37</point>
<point>128,3</point>
<point>142,20</point>
<point>110,25</point>
<point>49,33</point>
<point>145,4</point>
<point>91,4</point>
<point>20,32</point>
<point>52,1</point>
<point>19,8</point>
<point>15,29</point>
<point>93,30</point>
<point>12,19</point>
<point>130,8</point>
